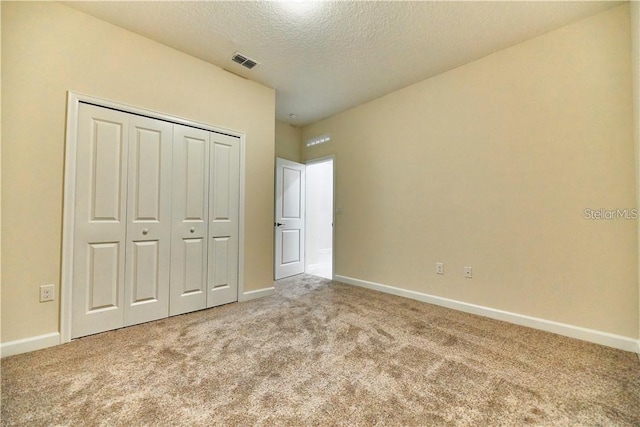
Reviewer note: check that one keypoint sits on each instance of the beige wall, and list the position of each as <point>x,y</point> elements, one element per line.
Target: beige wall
<point>635,57</point>
<point>491,165</point>
<point>48,49</point>
<point>288,141</point>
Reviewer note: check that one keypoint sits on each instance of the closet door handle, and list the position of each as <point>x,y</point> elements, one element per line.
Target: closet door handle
<point>278,224</point>
<point>145,231</point>
<point>192,229</point>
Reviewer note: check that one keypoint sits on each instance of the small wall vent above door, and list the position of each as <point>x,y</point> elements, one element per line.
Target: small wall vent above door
<point>319,140</point>
<point>244,60</point>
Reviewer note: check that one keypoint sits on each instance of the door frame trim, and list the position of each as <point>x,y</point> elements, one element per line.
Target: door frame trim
<point>323,159</point>
<point>69,197</point>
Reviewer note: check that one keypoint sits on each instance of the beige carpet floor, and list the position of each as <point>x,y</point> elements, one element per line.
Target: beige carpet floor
<point>323,353</point>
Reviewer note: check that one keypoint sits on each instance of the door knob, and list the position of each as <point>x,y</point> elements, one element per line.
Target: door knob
<point>145,231</point>
<point>278,224</point>
<point>192,229</point>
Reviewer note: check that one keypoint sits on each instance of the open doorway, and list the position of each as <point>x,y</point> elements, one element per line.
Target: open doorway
<point>319,218</point>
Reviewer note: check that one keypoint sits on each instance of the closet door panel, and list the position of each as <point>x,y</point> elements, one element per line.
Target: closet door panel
<point>100,225</point>
<point>222,248</point>
<point>104,273</point>
<point>195,268</point>
<point>148,250</point>
<point>145,271</point>
<point>224,219</point>
<point>147,147</point>
<point>189,230</point>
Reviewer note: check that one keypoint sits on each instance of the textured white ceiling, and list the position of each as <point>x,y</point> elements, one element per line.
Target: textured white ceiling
<point>325,57</point>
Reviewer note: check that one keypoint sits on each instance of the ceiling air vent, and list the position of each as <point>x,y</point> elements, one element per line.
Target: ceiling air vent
<point>244,60</point>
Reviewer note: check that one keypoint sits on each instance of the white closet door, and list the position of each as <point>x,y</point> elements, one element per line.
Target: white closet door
<point>189,232</point>
<point>148,220</point>
<point>224,189</point>
<point>100,221</point>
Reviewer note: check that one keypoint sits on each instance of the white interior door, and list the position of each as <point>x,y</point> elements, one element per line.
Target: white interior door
<point>290,218</point>
<point>189,232</point>
<point>224,204</point>
<point>100,221</point>
<point>148,220</point>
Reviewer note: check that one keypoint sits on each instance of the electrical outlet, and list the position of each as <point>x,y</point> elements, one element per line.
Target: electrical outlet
<point>46,293</point>
<point>467,272</point>
<point>439,268</point>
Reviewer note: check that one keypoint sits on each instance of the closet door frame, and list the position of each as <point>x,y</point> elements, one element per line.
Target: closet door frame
<point>71,144</point>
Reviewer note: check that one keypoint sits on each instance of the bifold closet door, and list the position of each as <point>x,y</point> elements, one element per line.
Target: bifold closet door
<point>148,249</point>
<point>156,223</point>
<point>100,221</point>
<point>122,220</point>
<point>189,233</point>
<point>224,198</point>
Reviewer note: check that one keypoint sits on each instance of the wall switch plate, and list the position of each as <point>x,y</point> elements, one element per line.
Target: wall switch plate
<point>439,268</point>
<point>467,272</point>
<point>46,293</point>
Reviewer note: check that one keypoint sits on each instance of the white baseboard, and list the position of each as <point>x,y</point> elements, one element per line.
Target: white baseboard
<point>49,340</point>
<point>604,338</point>
<point>29,344</point>
<point>590,335</point>
<point>258,293</point>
